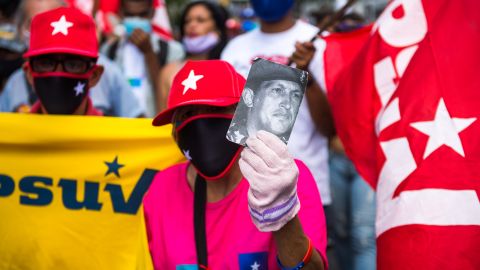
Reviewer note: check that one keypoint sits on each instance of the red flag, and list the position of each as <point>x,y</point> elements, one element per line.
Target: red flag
<point>408,113</point>
<point>160,21</point>
<point>341,49</point>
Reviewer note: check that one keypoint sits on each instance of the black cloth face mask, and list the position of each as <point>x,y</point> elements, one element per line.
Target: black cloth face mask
<point>59,92</point>
<point>202,139</point>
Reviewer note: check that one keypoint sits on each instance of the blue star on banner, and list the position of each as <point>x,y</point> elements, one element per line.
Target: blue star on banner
<point>253,261</point>
<point>113,167</point>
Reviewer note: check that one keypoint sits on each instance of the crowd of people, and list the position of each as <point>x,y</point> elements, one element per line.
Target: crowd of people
<point>267,199</point>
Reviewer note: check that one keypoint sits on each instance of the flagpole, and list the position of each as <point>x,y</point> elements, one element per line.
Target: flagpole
<point>331,20</point>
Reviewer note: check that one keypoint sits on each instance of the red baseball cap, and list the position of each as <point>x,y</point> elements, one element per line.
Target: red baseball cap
<point>209,82</point>
<point>63,30</point>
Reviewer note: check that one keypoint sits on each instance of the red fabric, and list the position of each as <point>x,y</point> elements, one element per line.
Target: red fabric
<point>63,30</point>
<point>161,23</point>
<point>208,82</point>
<point>426,171</point>
<point>340,51</point>
<point>160,27</point>
<point>91,111</point>
<point>85,6</point>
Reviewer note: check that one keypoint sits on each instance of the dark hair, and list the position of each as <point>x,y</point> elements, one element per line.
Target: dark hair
<point>349,22</point>
<point>322,13</point>
<point>149,2</point>
<point>8,8</point>
<point>219,15</point>
<point>263,70</point>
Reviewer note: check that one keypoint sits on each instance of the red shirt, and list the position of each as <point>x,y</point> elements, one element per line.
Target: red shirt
<point>37,108</point>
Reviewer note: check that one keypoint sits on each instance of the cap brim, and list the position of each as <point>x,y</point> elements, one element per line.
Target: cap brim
<point>165,116</point>
<point>36,52</point>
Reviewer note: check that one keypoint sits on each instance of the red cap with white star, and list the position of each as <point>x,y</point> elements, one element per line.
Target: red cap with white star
<point>210,82</point>
<point>63,30</point>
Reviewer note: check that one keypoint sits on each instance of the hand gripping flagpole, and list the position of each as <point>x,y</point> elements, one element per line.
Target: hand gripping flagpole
<point>331,20</point>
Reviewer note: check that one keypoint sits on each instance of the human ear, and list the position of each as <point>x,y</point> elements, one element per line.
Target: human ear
<point>248,96</point>
<point>96,75</point>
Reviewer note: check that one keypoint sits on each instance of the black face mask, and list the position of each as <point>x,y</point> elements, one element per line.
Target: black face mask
<point>202,141</point>
<point>60,93</point>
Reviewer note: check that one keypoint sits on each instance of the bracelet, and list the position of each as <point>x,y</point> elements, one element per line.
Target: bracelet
<point>304,261</point>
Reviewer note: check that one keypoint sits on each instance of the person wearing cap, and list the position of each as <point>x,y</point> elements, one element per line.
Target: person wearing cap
<point>61,62</point>
<point>229,207</point>
<point>272,98</point>
<point>112,95</point>
<point>140,53</point>
<point>276,38</point>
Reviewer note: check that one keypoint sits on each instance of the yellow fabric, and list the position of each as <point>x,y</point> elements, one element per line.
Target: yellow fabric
<point>47,157</point>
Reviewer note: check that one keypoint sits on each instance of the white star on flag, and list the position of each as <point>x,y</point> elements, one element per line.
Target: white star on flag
<point>186,153</point>
<point>443,130</point>
<point>255,266</point>
<point>61,26</point>
<point>191,81</point>
<point>79,88</point>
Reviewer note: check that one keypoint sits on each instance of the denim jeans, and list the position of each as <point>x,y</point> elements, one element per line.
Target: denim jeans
<point>353,210</point>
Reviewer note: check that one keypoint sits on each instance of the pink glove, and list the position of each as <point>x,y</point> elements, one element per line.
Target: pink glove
<point>273,175</point>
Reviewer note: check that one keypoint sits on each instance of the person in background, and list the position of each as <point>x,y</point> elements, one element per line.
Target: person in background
<point>321,16</point>
<point>61,62</point>
<point>229,207</point>
<point>349,22</point>
<point>11,48</point>
<point>353,200</point>
<point>203,33</point>
<point>140,54</point>
<point>351,217</point>
<point>275,40</point>
<point>112,95</point>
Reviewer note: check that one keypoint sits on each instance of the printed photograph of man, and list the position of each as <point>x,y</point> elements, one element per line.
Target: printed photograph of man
<point>270,101</point>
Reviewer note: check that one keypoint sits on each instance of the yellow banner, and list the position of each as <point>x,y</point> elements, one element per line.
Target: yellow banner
<point>71,190</point>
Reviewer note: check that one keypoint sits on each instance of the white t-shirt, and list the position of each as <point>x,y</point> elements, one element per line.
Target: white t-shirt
<point>305,142</point>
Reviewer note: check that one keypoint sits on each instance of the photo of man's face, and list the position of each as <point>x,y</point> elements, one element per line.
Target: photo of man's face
<point>276,105</point>
<point>270,101</point>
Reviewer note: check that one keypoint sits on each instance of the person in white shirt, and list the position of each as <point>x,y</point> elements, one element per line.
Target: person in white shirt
<point>276,40</point>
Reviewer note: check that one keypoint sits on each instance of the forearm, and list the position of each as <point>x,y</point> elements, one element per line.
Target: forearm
<point>164,84</point>
<point>292,245</point>
<point>320,109</point>
<point>153,71</point>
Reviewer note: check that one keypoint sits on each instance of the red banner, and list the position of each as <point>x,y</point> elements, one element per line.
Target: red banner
<point>407,110</point>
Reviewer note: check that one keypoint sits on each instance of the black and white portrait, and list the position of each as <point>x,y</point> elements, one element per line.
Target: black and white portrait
<point>270,101</point>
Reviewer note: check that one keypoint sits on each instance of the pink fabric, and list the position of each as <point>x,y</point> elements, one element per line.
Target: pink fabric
<point>168,207</point>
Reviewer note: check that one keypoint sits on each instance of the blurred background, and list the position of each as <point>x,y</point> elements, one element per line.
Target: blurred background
<point>243,17</point>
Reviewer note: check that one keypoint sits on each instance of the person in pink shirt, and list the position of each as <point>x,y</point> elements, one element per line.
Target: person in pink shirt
<point>229,207</point>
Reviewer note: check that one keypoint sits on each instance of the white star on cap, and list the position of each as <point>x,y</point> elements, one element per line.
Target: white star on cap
<point>79,88</point>
<point>186,153</point>
<point>61,26</point>
<point>443,130</point>
<point>191,81</point>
